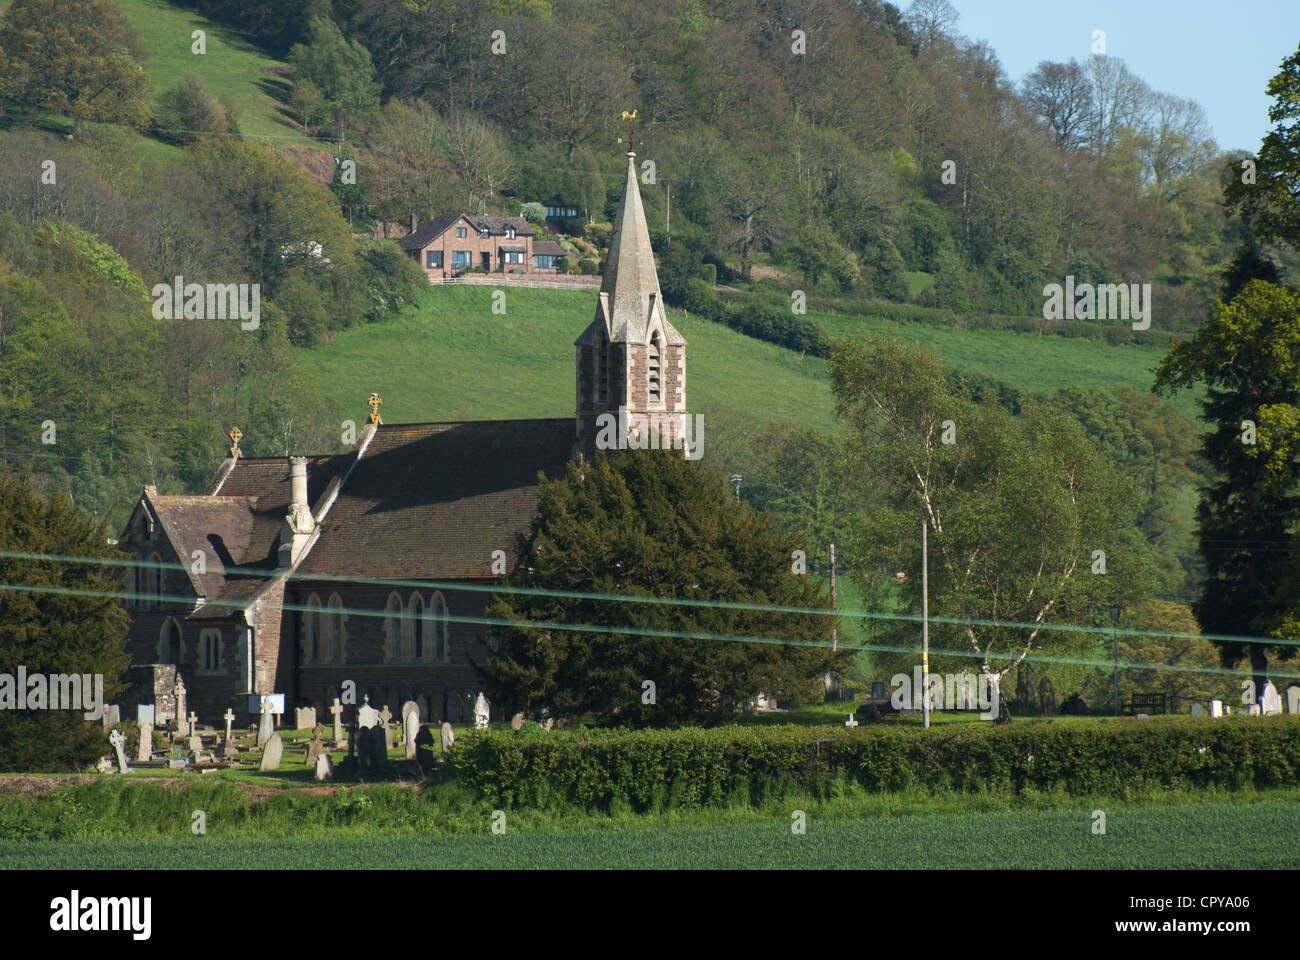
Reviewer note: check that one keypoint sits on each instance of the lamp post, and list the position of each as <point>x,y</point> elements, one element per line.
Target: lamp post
<point>1114,620</point>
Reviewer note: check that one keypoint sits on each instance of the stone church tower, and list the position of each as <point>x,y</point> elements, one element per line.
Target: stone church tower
<point>631,363</point>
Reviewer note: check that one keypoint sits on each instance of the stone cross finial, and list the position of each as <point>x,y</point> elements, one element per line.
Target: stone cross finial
<point>235,436</point>
<point>375,402</point>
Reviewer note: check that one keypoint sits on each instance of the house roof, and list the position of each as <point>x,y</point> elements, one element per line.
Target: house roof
<point>548,248</point>
<point>431,230</point>
<point>513,246</point>
<point>434,500</point>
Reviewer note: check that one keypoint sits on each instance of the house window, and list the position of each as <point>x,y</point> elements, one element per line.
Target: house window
<point>211,648</point>
<point>483,232</point>
<point>460,231</point>
<point>393,628</point>
<point>510,233</point>
<point>513,256</point>
<point>543,261</point>
<point>462,258</point>
<point>652,363</point>
<point>433,259</point>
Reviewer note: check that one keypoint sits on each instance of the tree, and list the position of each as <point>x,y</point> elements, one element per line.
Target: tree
<point>408,156</point>
<point>480,158</point>
<point>1014,508</point>
<point>77,57</point>
<point>187,112</point>
<point>1247,357</point>
<point>650,524</point>
<point>1061,95</point>
<point>56,633</point>
<point>339,70</point>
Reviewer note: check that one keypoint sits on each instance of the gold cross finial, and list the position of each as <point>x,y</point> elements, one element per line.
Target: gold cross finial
<point>235,436</point>
<point>375,403</point>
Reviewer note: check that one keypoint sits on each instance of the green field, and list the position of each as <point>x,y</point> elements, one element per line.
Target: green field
<point>1220,835</point>
<point>448,360</point>
<point>232,69</point>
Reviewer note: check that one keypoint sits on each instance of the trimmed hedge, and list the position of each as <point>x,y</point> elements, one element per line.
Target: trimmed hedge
<point>693,767</point>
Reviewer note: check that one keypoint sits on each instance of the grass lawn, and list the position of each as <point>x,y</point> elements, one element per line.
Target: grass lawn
<point>1211,835</point>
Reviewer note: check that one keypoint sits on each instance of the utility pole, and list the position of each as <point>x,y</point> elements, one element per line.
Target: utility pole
<point>1114,619</point>
<point>925,626</point>
<point>833,628</point>
<point>668,217</point>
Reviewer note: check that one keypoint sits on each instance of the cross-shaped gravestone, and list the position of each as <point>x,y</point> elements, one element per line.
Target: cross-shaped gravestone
<point>337,710</point>
<point>850,722</point>
<point>194,722</point>
<point>116,739</point>
<point>182,727</point>
<point>229,718</point>
<point>385,715</point>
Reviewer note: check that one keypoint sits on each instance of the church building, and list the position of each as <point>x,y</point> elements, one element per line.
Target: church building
<point>295,575</point>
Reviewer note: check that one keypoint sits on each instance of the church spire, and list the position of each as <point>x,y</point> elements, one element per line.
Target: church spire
<point>631,285</point>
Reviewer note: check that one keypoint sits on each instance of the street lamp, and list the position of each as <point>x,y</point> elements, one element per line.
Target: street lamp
<point>1114,619</point>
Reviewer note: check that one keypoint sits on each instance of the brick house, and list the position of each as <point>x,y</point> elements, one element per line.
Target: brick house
<point>448,246</point>
<point>294,575</point>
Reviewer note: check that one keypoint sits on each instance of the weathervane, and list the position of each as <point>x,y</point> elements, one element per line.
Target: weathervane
<point>235,436</point>
<point>375,403</point>
<point>629,119</point>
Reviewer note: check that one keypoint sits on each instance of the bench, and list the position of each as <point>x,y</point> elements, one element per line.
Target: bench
<point>1145,703</point>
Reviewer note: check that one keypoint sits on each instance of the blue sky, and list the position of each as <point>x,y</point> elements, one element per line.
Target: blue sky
<point>1220,54</point>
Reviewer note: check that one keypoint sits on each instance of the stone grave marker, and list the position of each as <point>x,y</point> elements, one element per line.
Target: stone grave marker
<point>337,710</point>
<point>1270,704</point>
<point>1198,710</point>
<point>194,723</point>
<point>385,715</point>
<point>272,753</point>
<point>104,765</point>
<point>144,713</point>
<point>315,748</point>
<point>196,745</point>
<point>1216,708</point>
<point>388,736</point>
<point>265,723</point>
<point>411,721</point>
<point>410,706</point>
<point>117,740</point>
<point>1293,698</point>
<point>1252,710</point>
<point>548,723</point>
<point>448,737</point>
<point>517,721</point>
<point>324,770</point>
<point>182,720</point>
<point>424,750</point>
<point>367,716</point>
<point>480,711</point>
<point>304,718</point>
<point>112,715</point>
<point>144,749</point>
<point>379,738</point>
<point>229,718</point>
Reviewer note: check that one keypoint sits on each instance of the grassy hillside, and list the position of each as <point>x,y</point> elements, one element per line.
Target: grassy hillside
<point>232,69</point>
<point>449,359</point>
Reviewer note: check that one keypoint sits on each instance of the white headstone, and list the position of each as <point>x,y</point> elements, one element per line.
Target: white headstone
<point>337,710</point>
<point>480,711</point>
<point>367,716</point>
<point>117,739</point>
<point>1198,710</point>
<point>411,724</point>
<point>1293,699</point>
<point>410,706</point>
<point>182,721</point>
<point>266,723</point>
<point>1216,708</point>
<point>324,770</point>
<point>448,737</point>
<point>229,718</point>
<point>1270,704</point>
<point>272,753</point>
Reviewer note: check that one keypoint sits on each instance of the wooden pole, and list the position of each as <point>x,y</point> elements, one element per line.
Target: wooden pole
<point>834,629</point>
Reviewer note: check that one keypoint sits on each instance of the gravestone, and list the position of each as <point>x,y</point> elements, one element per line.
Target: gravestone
<point>1270,704</point>
<point>371,757</point>
<point>411,721</point>
<point>480,711</point>
<point>117,740</point>
<point>367,716</point>
<point>104,765</point>
<point>324,770</point>
<point>194,723</point>
<point>424,750</point>
<point>337,710</point>
<point>265,723</point>
<point>304,718</point>
<point>196,745</point>
<point>517,721</point>
<point>144,749</point>
<point>548,723</point>
<point>385,715</point>
<point>410,706</point>
<point>448,737</point>
<point>144,713</point>
<point>272,753</point>
<point>196,757</point>
<point>112,715</point>
<point>387,728</point>
<point>1198,710</point>
<point>229,718</point>
<point>182,720</point>
<point>228,750</point>
<point>1293,699</point>
<point>1253,710</point>
<point>1216,708</point>
<point>314,749</point>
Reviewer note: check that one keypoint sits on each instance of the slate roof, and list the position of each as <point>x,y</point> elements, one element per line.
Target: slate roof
<point>549,248</point>
<point>433,500</point>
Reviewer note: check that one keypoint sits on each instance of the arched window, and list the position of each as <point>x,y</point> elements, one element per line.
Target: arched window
<point>152,582</point>
<point>653,363</point>
<point>417,626</point>
<point>171,648</point>
<point>338,630</point>
<point>393,628</point>
<point>311,631</point>
<point>438,613</point>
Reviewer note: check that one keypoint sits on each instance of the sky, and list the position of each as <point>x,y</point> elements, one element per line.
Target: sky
<point>1220,54</point>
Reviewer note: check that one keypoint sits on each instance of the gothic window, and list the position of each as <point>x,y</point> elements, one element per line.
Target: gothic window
<point>171,649</point>
<point>653,363</point>
<point>393,628</point>
<point>152,582</point>
<point>336,649</point>
<point>417,627</point>
<point>311,632</point>
<point>438,613</point>
<point>211,650</point>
